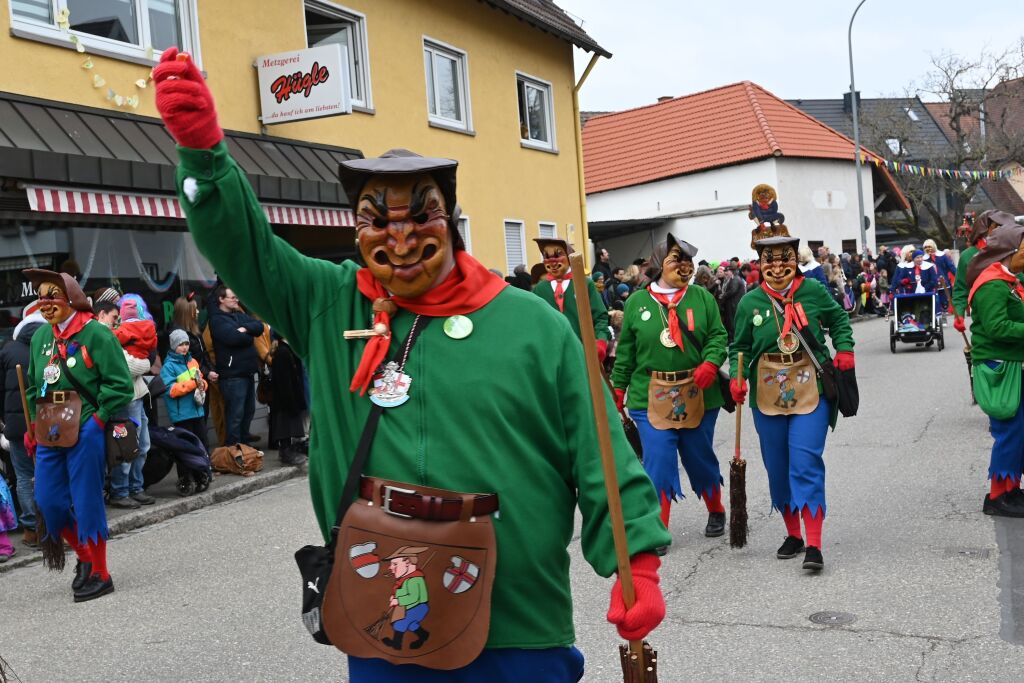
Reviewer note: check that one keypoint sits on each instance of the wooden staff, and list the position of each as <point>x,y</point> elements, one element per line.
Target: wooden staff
<point>639,660</point>
<point>738,477</point>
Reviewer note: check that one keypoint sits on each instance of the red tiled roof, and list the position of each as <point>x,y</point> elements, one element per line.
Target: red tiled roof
<point>733,124</point>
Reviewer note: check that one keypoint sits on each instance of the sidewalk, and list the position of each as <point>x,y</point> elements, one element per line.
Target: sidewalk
<point>170,504</point>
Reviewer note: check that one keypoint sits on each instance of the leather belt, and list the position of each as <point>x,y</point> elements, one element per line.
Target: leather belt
<point>403,502</point>
<point>677,376</point>
<point>787,358</point>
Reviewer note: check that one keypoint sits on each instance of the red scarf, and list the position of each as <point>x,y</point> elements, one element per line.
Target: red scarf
<point>469,287</point>
<point>74,327</point>
<point>559,291</point>
<point>791,312</point>
<point>673,316</point>
<point>996,271</point>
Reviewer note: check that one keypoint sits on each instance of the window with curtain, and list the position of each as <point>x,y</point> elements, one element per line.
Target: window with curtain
<point>447,99</point>
<point>535,112</point>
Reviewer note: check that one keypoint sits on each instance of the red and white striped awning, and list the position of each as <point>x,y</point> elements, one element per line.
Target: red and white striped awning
<point>66,200</point>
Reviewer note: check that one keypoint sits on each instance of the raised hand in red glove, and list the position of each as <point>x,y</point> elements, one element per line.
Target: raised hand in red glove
<point>29,440</point>
<point>620,399</point>
<point>649,608</point>
<point>844,360</point>
<point>705,374</point>
<point>958,324</point>
<point>738,389</point>
<point>184,101</point>
<point>602,350</point>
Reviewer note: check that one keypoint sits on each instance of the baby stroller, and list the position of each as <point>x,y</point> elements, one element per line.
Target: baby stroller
<point>916,320</point>
<point>181,449</point>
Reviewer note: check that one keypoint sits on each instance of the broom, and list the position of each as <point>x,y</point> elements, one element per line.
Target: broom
<point>738,478</point>
<point>967,345</point>
<point>639,660</point>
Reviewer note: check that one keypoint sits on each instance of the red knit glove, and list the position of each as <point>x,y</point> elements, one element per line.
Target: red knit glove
<point>738,389</point>
<point>705,374</point>
<point>958,324</point>
<point>620,399</point>
<point>30,440</point>
<point>184,101</point>
<point>905,282</point>
<point>649,608</point>
<point>844,360</point>
<point>602,350</point>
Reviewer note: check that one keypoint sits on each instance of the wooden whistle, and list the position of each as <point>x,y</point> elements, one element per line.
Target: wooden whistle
<point>379,330</point>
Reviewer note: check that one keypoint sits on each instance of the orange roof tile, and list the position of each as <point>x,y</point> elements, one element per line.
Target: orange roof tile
<point>728,125</point>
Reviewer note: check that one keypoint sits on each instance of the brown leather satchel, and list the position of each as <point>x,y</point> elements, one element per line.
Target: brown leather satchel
<point>240,459</point>
<point>58,419</point>
<point>413,572</point>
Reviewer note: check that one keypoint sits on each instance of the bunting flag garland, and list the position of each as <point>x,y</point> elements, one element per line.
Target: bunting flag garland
<point>929,172</point>
<point>130,101</point>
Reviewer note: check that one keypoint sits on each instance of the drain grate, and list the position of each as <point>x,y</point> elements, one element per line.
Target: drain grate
<point>969,553</point>
<point>833,618</point>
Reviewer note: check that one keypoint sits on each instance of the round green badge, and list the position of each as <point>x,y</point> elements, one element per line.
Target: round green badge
<point>458,327</point>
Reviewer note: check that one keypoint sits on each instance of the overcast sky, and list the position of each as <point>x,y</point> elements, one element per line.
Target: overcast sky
<point>794,48</point>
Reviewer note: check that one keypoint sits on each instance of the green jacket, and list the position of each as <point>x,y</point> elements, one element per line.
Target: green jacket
<point>108,380</point>
<point>997,323</point>
<point>960,288</point>
<point>600,314</point>
<point>412,592</point>
<point>505,410</point>
<point>640,349</point>
<point>822,311</point>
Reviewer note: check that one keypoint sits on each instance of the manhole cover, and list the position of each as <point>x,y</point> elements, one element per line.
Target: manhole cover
<point>833,618</point>
<point>969,553</point>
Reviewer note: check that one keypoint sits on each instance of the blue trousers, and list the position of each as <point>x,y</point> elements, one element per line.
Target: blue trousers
<point>24,472</point>
<point>126,478</point>
<point>1008,448</point>
<point>792,447</point>
<point>694,448</point>
<point>413,617</point>
<point>239,406</point>
<point>69,485</point>
<point>552,665</point>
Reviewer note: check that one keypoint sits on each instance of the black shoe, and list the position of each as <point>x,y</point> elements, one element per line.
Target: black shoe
<point>716,524</point>
<point>1006,505</point>
<point>813,559</point>
<point>396,641</point>
<point>1016,495</point>
<point>82,572</point>
<point>662,550</point>
<point>251,438</point>
<point>790,548</point>
<point>292,458</point>
<point>142,498</point>
<point>421,637</point>
<point>94,587</point>
<point>125,503</point>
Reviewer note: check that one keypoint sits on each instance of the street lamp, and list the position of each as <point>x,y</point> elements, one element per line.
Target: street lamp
<point>856,140</point>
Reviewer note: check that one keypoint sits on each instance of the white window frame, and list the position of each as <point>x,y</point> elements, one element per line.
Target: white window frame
<point>97,45</point>
<point>509,222</point>
<point>360,51</point>
<point>539,84</point>
<point>467,235</point>
<point>461,60</point>
<point>547,224</point>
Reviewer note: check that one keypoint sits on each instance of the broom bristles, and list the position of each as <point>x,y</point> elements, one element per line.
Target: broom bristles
<point>738,503</point>
<point>52,547</point>
<point>641,668</point>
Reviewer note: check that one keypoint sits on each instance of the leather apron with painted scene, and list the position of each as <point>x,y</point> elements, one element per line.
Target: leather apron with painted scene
<point>413,572</point>
<point>787,384</point>
<point>674,401</point>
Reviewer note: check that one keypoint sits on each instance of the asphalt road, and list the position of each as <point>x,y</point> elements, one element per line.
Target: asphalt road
<point>927,579</point>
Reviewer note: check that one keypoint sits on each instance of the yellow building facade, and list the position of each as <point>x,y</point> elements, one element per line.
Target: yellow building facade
<point>509,176</point>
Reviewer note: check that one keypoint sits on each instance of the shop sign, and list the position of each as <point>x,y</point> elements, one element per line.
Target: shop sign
<point>304,84</point>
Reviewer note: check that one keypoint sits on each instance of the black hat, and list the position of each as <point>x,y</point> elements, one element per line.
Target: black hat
<point>761,245</point>
<point>354,174</point>
<point>661,251</point>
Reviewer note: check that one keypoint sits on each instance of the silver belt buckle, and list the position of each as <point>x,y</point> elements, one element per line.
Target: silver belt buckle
<point>386,504</point>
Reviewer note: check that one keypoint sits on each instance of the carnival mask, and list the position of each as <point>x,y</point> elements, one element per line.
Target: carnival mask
<point>1016,261</point>
<point>556,261</point>
<point>402,232</point>
<point>676,269</point>
<point>778,266</point>
<point>53,303</point>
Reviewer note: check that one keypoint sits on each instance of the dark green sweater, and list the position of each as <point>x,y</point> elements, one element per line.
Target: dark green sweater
<point>600,314</point>
<point>640,349</point>
<point>108,380</point>
<point>505,410</point>
<point>960,288</point>
<point>997,323</point>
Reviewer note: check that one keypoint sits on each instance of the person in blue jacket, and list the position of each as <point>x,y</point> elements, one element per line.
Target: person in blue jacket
<point>917,277</point>
<point>181,375</point>
<point>945,269</point>
<point>810,268</point>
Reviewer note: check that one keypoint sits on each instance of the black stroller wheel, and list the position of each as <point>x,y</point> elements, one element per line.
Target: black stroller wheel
<point>202,481</point>
<point>186,487</point>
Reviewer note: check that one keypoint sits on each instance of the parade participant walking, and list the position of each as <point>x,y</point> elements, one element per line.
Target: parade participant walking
<point>791,414</point>
<point>944,267</point>
<point>458,418</point>
<point>997,350</point>
<point>916,277</point>
<point>984,225</point>
<point>556,289</point>
<point>74,361</point>
<point>668,354</point>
